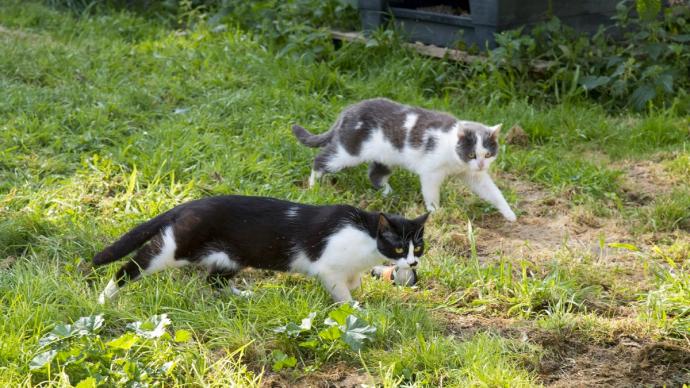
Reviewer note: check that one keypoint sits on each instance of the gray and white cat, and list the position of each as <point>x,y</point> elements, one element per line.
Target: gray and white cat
<point>431,144</point>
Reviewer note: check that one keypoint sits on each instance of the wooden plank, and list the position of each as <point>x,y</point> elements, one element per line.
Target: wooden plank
<point>435,51</point>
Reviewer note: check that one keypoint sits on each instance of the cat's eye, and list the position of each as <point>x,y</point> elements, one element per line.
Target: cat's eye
<point>488,155</point>
<point>418,248</point>
<point>398,250</point>
<point>471,155</point>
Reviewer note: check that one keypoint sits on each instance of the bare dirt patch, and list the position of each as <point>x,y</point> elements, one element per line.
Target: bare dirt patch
<point>569,360</point>
<point>645,180</point>
<point>336,376</point>
<point>625,363</point>
<point>546,224</point>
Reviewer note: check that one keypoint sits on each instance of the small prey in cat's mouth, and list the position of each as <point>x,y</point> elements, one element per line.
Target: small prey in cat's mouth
<point>225,234</point>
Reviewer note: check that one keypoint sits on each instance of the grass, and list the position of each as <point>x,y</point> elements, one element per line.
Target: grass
<point>108,120</point>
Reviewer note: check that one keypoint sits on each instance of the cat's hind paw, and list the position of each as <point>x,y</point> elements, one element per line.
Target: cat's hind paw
<point>431,207</point>
<point>242,293</point>
<point>314,177</point>
<point>509,215</point>
<point>108,293</point>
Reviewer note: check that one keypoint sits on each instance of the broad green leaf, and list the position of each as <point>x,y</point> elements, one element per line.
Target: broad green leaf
<point>641,95</point>
<point>167,368</point>
<point>88,382</point>
<point>330,322</point>
<point>306,322</point>
<point>654,50</point>
<point>282,360</point>
<point>681,38</point>
<point>357,331</point>
<point>591,82</point>
<point>330,334</point>
<point>183,335</point>
<point>290,361</point>
<point>291,329</point>
<point>340,314</point>
<point>371,43</point>
<point>124,342</point>
<point>42,359</point>
<point>666,82</point>
<point>154,327</point>
<point>48,339</point>
<point>87,325</point>
<point>62,330</point>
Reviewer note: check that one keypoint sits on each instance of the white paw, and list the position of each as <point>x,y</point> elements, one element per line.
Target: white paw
<point>242,293</point>
<point>509,215</point>
<point>387,189</point>
<point>431,207</point>
<point>109,292</point>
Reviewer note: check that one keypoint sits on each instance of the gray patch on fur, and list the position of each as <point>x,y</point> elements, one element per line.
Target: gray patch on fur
<point>428,120</point>
<point>430,144</point>
<point>377,172</point>
<point>321,160</point>
<point>466,145</point>
<point>357,122</point>
<point>490,143</point>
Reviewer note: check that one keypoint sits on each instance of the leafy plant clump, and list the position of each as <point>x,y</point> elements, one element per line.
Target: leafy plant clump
<point>143,354</point>
<point>641,61</point>
<point>341,330</point>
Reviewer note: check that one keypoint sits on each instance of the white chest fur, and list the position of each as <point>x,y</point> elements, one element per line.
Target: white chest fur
<point>348,252</point>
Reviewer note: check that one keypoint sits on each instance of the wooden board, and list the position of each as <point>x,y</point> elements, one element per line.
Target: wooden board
<point>435,51</point>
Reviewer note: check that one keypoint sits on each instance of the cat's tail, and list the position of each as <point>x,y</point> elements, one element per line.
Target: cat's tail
<point>132,240</point>
<point>311,140</point>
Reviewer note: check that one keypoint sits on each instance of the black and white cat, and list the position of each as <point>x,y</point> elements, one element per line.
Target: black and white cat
<point>227,233</point>
<point>432,144</point>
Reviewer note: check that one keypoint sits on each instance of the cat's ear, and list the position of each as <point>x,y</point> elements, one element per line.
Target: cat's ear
<point>384,223</point>
<point>421,219</point>
<point>495,131</point>
<point>461,134</point>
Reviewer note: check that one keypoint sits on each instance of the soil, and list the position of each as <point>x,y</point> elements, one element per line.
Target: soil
<point>645,180</point>
<point>548,224</point>
<point>337,376</point>
<point>569,360</point>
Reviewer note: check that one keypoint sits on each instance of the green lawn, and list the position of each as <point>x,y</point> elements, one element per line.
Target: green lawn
<point>108,120</point>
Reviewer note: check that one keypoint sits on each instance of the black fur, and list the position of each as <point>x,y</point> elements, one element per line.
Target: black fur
<point>133,239</point>
<point>466,146</point>
<point>256,232</point>
<point>378,172</point>
<point>490,142</point>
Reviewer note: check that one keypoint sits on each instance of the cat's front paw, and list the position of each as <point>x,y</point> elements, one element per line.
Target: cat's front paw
<point>431,207</point>
<point>387,190</point>
<point>241,293</point>
<point>509,215</point>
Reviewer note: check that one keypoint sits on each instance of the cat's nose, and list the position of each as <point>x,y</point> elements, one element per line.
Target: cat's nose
<point>413,264</point>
